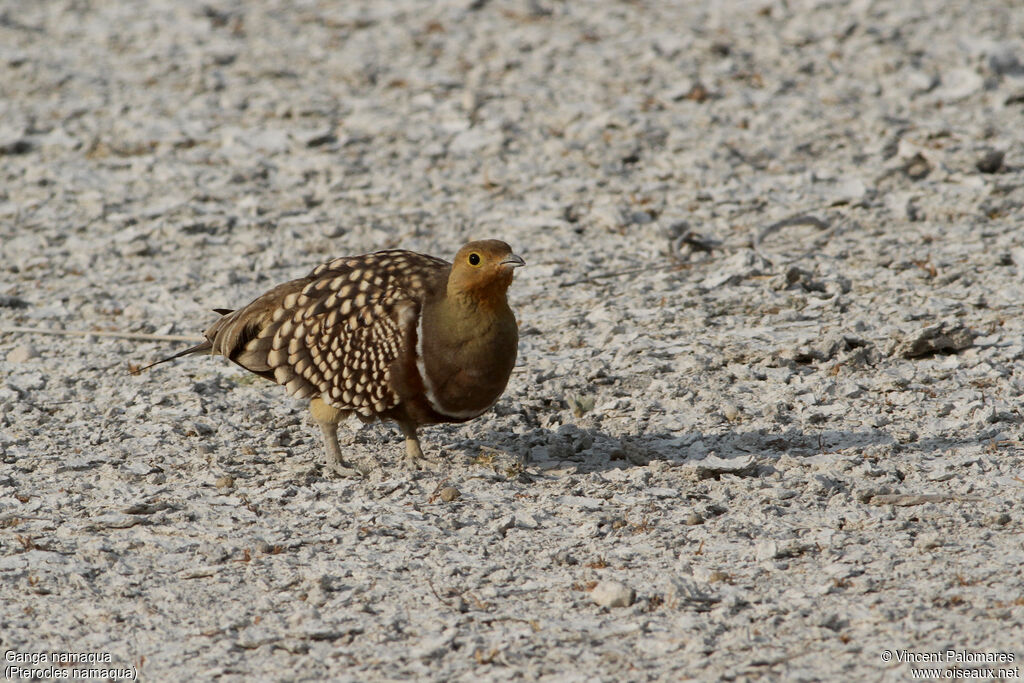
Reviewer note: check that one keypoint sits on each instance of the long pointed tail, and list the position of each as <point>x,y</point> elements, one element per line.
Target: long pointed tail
<point>205,347</point>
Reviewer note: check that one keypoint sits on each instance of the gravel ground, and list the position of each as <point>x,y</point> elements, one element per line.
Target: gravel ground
<point>766,420</point>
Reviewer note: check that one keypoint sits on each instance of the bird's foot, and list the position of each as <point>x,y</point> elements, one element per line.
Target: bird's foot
<point>414,458</point>
<point>421,463</point>
<point>342,469</point>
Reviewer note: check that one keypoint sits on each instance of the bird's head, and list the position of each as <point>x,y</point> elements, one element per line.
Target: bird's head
<point>482,271</point>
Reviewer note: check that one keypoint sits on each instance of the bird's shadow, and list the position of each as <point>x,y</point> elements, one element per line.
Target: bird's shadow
<point>571,448</point>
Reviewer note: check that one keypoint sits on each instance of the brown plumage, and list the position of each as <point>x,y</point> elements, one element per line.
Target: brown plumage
<point>392,335</point>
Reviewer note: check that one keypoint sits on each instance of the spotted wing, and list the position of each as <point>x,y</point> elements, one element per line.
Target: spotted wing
<point>338,336</point>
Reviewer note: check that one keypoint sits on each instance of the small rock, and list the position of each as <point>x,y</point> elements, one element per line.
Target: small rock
<point>851,389</point>
<point>449,493</point>
<point>742,265</point>
<point>212,553</point>
<point>316,594</point>
<point>917,167</point>
<point>698,92</point>
<point>501,525</point>
<point>687,593</point>
<point>15,147</point>
<point>588,530</point>
<point>833,622</point>
<point>580,404</point>
<point>564,558</point>
<point>26,382</point>
<point>434,646</point>
<point>1001,519</point>
<point>12,302</point>
<point>1017,257</point>
<point>928,541</point>
<point>908,499</point>
<point>613,594</point>
<point>321,137</point>
<point>991,161</point>
<point>941,338</point>
<point>956,84</point>
<point>848,191</point>
<point>917,81</point>
<point>771,550</point>
<point>524,520</point>
<point>766,550</point>
<point>474,140</point>
<point>1003,60</point>
<point>640,217</point>
<point>693,519</point>
<point>21,354</point>
<point>714,466</point>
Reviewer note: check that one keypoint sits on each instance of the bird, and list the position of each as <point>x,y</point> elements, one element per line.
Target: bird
<point>392,335</point>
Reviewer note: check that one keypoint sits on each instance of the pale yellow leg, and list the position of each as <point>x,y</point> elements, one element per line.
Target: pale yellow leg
<point>414,458</point>
<point>328,418</point>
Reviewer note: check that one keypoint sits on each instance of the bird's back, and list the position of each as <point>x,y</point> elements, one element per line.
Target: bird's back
<point>336,332</point>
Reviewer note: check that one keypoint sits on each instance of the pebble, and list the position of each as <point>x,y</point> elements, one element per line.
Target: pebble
<point>22,354</point>
<point>991,161</point>
<point>956,84</point>
<point>1000,519</point>
<point>941,338</point>
<point>502,525</point>
<point>686,593</point>
<point>1005,58</point>
<point>766,550</point>
<point>613,594</point>
<point>928,541</point>
<point>448,494</point>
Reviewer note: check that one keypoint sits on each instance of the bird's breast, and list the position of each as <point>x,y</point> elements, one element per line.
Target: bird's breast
<point>465,369</point>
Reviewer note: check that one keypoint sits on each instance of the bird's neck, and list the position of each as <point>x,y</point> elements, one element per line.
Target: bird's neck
<point>472,297</point>
<point>466,314</point>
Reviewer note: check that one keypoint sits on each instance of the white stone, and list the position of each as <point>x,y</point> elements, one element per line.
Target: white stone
<point>613,594</point>
<point>22,353</point>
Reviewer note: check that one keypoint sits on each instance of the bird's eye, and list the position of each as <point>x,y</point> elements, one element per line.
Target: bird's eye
<point>474,259</point>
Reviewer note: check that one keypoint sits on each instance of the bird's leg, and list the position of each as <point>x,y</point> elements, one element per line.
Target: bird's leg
<point>414,458</point>
<point>328,417</point>
<point>335,464</point>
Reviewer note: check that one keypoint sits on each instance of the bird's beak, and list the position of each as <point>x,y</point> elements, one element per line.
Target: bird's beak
<point>513,260</point>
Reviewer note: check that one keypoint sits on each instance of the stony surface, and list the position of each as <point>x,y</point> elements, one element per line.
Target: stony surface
<point>740,218</point>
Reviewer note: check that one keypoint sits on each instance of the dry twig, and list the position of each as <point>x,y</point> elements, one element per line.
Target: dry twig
<point>101,333</point>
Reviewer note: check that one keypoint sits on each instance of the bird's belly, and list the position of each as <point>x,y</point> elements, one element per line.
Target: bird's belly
<point>468,383</point>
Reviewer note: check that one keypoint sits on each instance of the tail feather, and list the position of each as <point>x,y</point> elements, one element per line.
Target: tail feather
<point>235,335</point>
<point>204,347</point>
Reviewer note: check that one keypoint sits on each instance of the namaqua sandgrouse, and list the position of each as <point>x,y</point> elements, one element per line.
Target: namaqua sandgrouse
<point>392,335</point>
